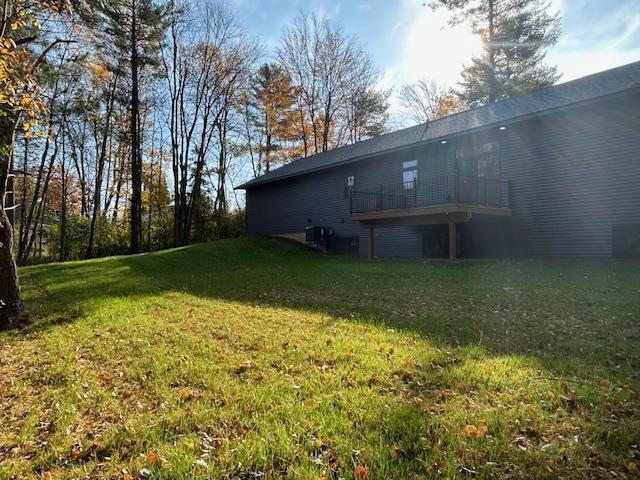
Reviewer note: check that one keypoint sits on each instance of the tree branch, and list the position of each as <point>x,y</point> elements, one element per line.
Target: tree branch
<point>44,53</point>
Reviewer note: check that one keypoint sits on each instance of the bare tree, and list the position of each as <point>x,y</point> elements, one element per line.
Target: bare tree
<point>329,69</point>
<point>425,100</point>
<point>204,69</point>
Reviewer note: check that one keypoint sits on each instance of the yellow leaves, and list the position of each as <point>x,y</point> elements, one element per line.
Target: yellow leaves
<point>46,476</point>
<point>478,432</point>
<point>99,72</point>
<point>632,467</point>
<point>14,25</point>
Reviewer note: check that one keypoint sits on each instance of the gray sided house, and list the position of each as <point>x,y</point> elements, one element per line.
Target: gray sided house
<point>553,173</point>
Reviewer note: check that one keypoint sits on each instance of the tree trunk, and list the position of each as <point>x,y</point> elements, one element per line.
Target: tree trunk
<point>102,157</point>
<point>9,284</point>
<point>136,159</point>
<point>63,202</point>
<point>493,87</point>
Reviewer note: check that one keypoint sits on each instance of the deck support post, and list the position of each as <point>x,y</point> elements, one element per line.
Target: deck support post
<point>452,240</point>
<point>370,250</point>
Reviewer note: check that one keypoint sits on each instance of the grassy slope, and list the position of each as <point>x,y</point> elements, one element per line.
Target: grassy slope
<point>261,359</point>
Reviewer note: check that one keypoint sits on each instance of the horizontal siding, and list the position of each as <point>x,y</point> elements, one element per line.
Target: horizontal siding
<point>573,175</point>
<point>286,206</point>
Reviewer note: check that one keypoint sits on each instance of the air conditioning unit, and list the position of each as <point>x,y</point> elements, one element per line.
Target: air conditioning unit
<point>314,234</point>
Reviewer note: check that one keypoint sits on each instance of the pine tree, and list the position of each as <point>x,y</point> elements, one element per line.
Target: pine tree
<point>367,114</point>
<point>131,32</point>
<point>516,36</point>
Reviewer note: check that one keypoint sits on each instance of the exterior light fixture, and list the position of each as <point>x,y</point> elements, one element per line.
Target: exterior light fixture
<point>443,142</point>
<point>503,128</point>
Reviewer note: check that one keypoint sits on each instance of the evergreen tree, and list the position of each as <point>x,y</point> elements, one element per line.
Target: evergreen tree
<point>367,114</point>
<point>131,32</point>
<point>516,36</point>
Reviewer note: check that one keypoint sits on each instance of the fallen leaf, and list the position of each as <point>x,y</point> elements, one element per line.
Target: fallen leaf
<point>201,463</point>
<point>186,395</point>
<point>479,432</point>
<point>362,472</point>
<point>153,457</point>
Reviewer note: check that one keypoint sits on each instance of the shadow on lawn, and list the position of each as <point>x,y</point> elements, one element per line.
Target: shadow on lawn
<point>539,309</point>
<point>580,312</point>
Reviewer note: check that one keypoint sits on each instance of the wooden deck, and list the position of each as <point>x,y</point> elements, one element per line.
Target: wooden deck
<point>450,214</point>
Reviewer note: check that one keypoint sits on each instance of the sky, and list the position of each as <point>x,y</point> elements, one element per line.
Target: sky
<point>409,41</point>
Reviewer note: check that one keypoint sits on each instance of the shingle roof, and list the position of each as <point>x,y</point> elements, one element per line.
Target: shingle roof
<point>600,84</point>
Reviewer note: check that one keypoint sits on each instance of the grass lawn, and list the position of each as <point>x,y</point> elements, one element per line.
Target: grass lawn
<point>253,358</point>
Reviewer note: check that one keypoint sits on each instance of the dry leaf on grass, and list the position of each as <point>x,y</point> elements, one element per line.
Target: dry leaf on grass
<point>153,457</point>
<point>478,432</point>
<point>361,472</point>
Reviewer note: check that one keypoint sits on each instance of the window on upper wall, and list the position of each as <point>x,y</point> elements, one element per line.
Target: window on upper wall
<point>349,184</point>
<point>409,174</point>
<point>479,160</point>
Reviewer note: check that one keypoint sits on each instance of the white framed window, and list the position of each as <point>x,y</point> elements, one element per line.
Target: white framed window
<point>409,174</point>
<point>349,184</point>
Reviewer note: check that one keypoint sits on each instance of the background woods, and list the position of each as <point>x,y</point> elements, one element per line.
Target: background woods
<point>125,125</point>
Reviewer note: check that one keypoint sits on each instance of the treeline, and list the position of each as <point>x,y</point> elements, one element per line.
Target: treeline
<point>155,111</point>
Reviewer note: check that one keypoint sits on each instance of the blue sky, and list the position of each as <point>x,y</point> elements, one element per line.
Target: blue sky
<point>408,41</point>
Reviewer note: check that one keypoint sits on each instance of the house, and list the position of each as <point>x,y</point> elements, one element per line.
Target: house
<point>552,173</point>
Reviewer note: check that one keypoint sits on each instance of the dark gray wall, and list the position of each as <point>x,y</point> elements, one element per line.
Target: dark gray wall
<point>285,206</point>
<point>574,174</point>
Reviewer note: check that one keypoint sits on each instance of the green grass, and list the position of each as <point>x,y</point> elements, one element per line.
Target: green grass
<point>256,359</point>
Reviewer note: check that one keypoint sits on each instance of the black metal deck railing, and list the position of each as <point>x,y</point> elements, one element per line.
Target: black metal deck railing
<point>432,191</point>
